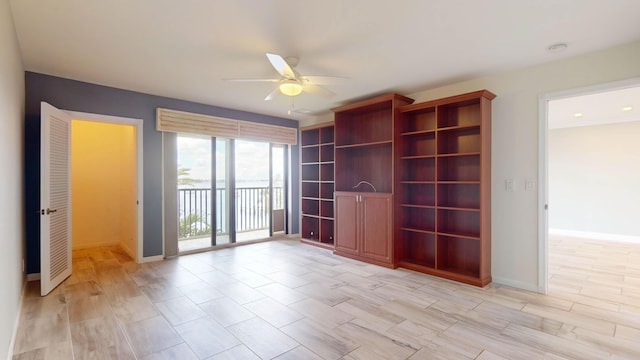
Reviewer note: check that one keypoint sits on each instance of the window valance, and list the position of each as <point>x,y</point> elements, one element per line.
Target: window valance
<point>185,122</point>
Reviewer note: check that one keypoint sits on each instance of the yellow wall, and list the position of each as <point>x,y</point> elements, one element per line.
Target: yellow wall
<point>103,184</point>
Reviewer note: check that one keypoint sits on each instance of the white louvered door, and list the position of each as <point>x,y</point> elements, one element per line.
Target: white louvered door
<point>55,198</point>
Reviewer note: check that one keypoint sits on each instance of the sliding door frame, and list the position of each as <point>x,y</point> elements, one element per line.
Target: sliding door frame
<point>230,179</point>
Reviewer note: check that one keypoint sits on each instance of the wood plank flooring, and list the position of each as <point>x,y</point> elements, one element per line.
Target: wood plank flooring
<point>284,300</point>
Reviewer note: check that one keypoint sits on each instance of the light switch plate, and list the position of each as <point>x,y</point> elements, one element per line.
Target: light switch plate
<point>529,184</point>
<point>509,185</point>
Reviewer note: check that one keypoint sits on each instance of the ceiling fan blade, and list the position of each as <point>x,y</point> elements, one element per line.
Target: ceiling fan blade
<point>252,80</point>
<point>323,80</point>
<point>318,90</point>
<point>281,66</point>
<point>272,94</point>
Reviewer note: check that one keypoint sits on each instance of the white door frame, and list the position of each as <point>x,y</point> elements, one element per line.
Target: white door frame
<point>137,123</point>
<point>543,161</point>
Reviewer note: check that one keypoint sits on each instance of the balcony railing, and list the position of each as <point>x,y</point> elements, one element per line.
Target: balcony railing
<point>252,210</point>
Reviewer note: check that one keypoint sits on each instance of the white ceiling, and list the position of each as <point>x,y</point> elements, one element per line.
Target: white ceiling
<point>184,49</point>
<point>602,108</point>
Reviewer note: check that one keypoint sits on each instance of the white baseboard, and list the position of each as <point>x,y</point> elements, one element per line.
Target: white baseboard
<point>152,258</point>
<point>597,236</point>
<point>128,250</point>
<point>76,246</point>
<point>33,277</point>
<point>515,284</point>
<point>12,342</point>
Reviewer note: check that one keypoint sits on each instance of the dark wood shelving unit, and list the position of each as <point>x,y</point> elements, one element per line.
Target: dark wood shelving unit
<point>317,185</point>
<point>403,184</point>
<point>364,178</point>
<point>443,187</point>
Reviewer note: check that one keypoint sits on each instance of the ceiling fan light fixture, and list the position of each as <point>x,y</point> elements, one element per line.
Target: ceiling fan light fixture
<point>290,88</point>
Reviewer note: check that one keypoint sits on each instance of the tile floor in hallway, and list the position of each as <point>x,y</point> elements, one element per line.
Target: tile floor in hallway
<point>284,300</point>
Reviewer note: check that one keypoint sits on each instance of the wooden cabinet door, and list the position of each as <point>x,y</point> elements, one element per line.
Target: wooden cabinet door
<point>377,221</point>
<point>346,220</point>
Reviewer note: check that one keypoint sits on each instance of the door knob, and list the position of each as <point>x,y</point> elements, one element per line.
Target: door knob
<point>49,211</point>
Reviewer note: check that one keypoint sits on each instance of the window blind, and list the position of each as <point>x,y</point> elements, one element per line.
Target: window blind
<point>185,122</point>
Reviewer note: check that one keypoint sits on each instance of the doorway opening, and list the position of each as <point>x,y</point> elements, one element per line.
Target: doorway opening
<point>106,182</point>
<point>57,183</point>
<point>588,240</point>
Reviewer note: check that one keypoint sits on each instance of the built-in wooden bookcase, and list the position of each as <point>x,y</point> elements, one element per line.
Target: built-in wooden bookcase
<point>364,154</point>
<point>411,184</point>
<point>442,199</point>
<point>317,186</point>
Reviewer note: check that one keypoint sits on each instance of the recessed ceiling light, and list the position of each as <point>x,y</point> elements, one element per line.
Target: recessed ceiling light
<point>627,108</point>
<point>578,115</point>
<point>555,48</point>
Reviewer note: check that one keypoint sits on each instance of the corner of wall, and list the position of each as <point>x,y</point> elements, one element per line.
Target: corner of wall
<point>12,208</point>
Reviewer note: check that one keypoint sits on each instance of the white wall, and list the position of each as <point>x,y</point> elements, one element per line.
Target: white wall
<point>593,179</point>
<point>515,146</point>
<point>11,176</point>
<point>129,190</point>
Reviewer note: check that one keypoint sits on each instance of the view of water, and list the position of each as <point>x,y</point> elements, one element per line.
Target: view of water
<point>252,207</point>
<point>206,184</point>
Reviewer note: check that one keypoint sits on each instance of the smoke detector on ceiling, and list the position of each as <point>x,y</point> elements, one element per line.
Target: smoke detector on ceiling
<point>556,48</point>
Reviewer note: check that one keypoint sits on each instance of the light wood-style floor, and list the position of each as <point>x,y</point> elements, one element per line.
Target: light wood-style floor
<point>284,300</point>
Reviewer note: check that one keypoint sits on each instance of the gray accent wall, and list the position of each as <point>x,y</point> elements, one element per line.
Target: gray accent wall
<point>91,98</point>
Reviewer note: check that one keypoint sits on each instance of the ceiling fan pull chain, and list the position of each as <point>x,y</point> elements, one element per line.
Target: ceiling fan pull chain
<point>292,107</point>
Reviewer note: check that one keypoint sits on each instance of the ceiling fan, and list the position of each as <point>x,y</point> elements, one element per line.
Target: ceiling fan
<point>292,83</point>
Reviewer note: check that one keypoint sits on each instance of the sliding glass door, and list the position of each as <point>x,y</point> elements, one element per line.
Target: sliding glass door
<point>223,191</point>
<point>252,200</point>
<point>278,186</point>
<point>195,176</point>
<point>229,191</point>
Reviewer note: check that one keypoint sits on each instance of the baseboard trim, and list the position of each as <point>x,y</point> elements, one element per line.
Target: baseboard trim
<point>128,250</point>
<point>147,259</point>
<point>94,245</point>
<point>12,342</point>
<point>595,235</point>
<point>515,284</point>
<point>33,277</point>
